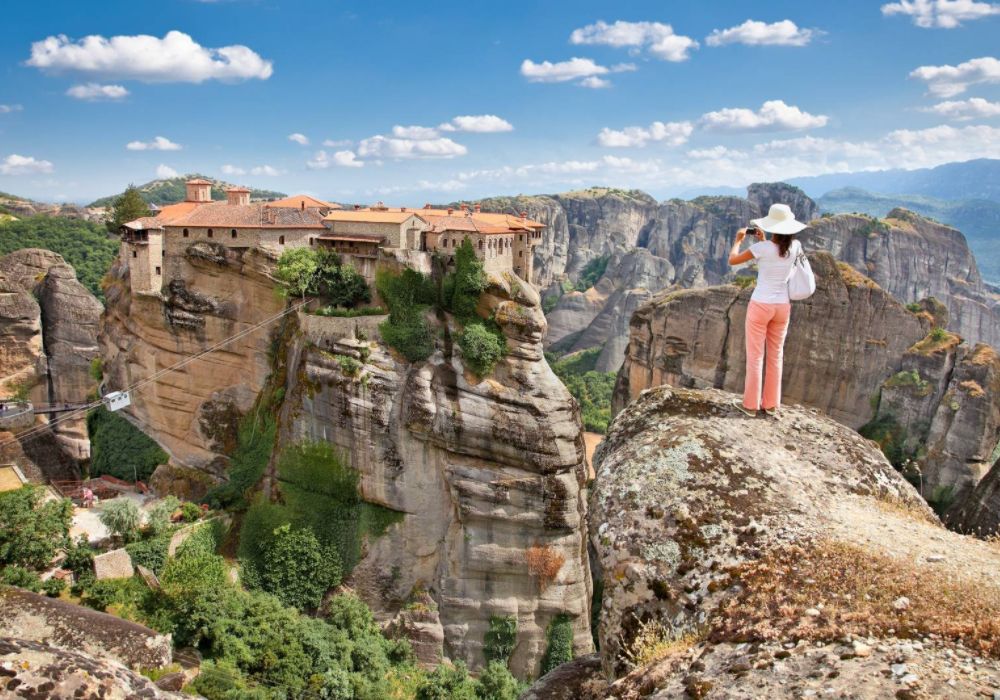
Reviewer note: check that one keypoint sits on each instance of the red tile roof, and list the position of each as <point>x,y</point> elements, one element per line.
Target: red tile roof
<point>254,215</point>
<point>297,200</point>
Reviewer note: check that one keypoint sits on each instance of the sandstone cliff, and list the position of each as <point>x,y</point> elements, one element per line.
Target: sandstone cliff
<point>48,323</point>
<point>485,471</point>
<point>842,342</point>
<point>743,558</point>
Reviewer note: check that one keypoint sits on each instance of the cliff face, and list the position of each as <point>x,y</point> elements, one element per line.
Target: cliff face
<point>49,338</point>
<point>487,473</point>
<point>650,247</point>
<point>771,563</point>
<point>842,342</point>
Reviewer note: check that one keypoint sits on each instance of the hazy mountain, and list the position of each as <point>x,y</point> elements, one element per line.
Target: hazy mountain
<point>978,219</point>
<point>973,179</point>
<point>171,190</point>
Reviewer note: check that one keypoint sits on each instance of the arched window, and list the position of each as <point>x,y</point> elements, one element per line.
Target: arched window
<point>185,233</point>
<point>209,233</point>
<point>233,233</point>
<point>480,244</point>
<point>135,254</point>
<point>281,240</point>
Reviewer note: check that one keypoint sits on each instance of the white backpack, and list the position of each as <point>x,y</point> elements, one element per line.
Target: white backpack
<point>801,280</point>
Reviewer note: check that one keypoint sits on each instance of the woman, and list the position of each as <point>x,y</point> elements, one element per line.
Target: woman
<point>770,308</point>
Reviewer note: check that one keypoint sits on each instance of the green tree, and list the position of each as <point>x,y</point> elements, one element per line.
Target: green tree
<point>119,449</point>
<point>337,283</point>
<point>560,643</point>
<point>296,269</point>
<point>122,517</point>
<point>448,683</point>
<point>463,286</point>
<point>297,569</point>
<point>19,576</point>
<point>481,347</point>
<point>127,207</point>
<point>32,531</point>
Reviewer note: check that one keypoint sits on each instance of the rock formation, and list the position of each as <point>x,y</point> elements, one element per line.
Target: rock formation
<point>759,558</point>
<point>485,471</point>
<point>651,247</point>
<point>842,342</point>
<point>48,339</point>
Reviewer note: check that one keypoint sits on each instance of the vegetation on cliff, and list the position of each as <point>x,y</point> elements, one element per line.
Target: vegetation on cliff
<point>127,207</point>
<point>321,273</point>
<point>119,449</point>
<point>83,244</point>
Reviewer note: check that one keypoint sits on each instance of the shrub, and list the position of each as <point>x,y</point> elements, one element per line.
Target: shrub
<point>337,283</point>
<point>497,683</point>
<point>448,683</point>
<point>53,587</point>
<point>348,365</point>
<point>100,595</point>
<point>939,334</point>
<point>32,532</point>
<point>122,517</point>
<point>119,449</point>
<point>544,563</point>
<point>559,649</point>
<point>406,295</point>
<point>481,347</point>
<point>351,313</point>
<point>297,569</point>
<point>19,576</point>
<point>410,336</point>
<point>79,557</point>
<point>190,512</point>
<point>150,553</point>
<point>158,517</point>
<point>500,639</point>
<point>462,287</point>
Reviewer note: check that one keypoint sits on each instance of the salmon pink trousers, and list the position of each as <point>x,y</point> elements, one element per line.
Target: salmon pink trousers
<point>766,326</point>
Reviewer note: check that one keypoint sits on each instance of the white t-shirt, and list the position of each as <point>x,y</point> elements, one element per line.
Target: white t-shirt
<point>772,272</point>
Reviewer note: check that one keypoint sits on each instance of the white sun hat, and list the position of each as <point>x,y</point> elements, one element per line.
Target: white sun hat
<point>779,219</point>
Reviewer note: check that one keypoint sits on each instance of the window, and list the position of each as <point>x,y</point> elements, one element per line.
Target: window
<point>520,253</point>
<point>281,240</point>
<point>185,233</point>
<point>521,238</point>
<point>480,244</point>
<point>233,233</point>
<point>312,241</point>
<point>209,233</point>
<point>157,269</point>
<point>135,254</point>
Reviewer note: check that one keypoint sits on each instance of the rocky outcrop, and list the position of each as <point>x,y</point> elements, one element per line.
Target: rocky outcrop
<point>764,194</point>
<point>488,472</point>
<point>485,471</point>
<point>729,545</point>
<point>980,511</point>
<point>48,337</point>
<point>30,669</point>
<point>32,617</point>
<point>842,342</point>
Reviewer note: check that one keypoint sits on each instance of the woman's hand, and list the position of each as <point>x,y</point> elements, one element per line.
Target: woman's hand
<point>740,235</point>
<point>759,233</point>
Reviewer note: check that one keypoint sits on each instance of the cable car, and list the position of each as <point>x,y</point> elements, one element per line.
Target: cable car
<point>117,400</point>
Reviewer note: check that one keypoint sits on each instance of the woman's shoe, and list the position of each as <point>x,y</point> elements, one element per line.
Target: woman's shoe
<point>771,412</point>
<point>746,411</point>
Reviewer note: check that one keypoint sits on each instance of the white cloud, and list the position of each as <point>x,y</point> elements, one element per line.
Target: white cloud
<point>390,147</point>
<point>322,160</point>
<point>418,133</point>
<point>594,82</point>
<point>298,138</point>
<point>774,115</point>
<point>174,58</point>
<point>657,38</point>
<point>96,91</point>
<point>337,143</point>
<point>7,109</point>
<point>944,14</point>
<point>948,81</point>
<point>564,71</point>
<point>159,143</point>
<point>165,172</point>
<point>24,165</point>
<point>671,133</point>
<point>478,124</point>
<point>754,33</point>
<point>256,170</point>
<point>964,110</point>
<point>228,169</point>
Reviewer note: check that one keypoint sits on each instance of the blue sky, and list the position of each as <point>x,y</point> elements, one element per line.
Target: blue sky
<point>665,96</point>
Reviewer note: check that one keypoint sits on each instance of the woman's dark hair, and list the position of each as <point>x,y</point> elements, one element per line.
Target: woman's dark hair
<point>783,241</point>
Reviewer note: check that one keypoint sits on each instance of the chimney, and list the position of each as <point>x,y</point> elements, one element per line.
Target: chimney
<point>198,190</point>
<point>524,215</point>
<point>450,210</point>
<point>302,205</point>
<point>427,206</point>
<point>464,207</point>
<point>402,209</point>
<point>478,208</point>
<point>237,195</point>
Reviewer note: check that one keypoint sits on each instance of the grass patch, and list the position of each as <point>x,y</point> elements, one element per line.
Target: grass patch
<point>938,340</point>
<point>910,379</point>
<point>858,590</point>
<point>654,642</point>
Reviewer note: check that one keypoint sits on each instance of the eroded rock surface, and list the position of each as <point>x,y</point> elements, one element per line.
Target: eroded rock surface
<point>690,495</point>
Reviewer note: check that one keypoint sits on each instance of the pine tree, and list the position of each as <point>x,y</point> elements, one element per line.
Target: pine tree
<point>128,207</point>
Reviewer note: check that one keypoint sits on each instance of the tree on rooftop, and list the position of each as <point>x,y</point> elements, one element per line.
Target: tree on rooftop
<point>128,207</point>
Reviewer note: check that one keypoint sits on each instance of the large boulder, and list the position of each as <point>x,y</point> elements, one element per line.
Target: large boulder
<point>731,547</point>
<point>842,342</point>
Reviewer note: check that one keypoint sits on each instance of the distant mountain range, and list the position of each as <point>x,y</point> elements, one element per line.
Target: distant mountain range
<point>171,190</point>
<point>972,179</point>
